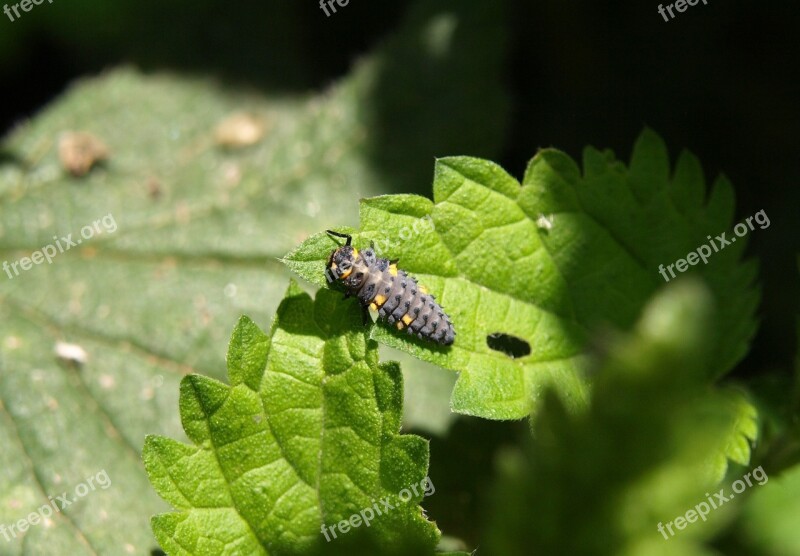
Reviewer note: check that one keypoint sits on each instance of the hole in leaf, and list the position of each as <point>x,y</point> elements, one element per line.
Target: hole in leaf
<point>510,345</point>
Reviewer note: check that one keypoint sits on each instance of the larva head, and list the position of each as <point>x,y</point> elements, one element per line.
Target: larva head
<point>341,262</point>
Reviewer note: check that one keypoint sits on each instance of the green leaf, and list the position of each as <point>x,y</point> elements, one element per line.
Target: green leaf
<point>305,436</point>
<point>548,261</point>
<point>744,429</point>
<point>190,245</point>
<point>644,452</point>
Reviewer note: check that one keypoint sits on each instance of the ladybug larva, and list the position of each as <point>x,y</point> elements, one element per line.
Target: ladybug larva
<point>381,286</point>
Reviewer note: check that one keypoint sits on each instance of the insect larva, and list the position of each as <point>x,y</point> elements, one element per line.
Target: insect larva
<point>381,286</point>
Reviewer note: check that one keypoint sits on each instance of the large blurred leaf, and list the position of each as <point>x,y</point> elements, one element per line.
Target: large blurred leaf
<point>198,228</point>
<point>548,261</point>
<point>645,451</point>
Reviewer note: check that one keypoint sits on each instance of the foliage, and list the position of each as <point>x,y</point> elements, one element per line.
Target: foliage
<point>548,261</point>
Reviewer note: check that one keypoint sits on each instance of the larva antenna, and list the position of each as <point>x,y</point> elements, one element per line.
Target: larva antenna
<point>347,237</point>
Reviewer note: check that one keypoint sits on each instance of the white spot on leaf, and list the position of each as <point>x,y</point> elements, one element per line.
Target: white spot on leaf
<point>72,353</point>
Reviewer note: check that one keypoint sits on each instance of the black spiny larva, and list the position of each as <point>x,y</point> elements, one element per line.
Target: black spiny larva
<point>380,285</point>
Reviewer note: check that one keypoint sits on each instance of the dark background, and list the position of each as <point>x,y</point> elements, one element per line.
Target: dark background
<point>720,79</point>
